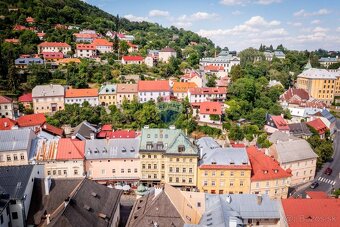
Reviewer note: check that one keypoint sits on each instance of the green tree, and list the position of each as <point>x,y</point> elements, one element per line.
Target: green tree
<point>236,133</point>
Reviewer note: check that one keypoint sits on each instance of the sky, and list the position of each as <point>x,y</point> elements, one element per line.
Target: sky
<point>239,24</point>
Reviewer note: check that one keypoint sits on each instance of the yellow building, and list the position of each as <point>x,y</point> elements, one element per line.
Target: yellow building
<point>320,84</point>
<point>224,170</point>
<point>167,156</point>
<point>107,95</point>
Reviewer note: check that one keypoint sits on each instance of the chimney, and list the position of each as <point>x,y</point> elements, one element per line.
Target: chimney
<point>66,201</point>
<point>92,136</point>
<point>146,126</point>
<point>228,199</point>
<point>172,127</point>
<point>6,124</point>
<point>47,184</point>
<point>259,199</point>
<point>158,189</point>
<point>73,137</point>
<point>48,221</point>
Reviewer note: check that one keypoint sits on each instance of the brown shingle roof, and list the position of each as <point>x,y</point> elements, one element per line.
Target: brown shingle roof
<point>127,88</point>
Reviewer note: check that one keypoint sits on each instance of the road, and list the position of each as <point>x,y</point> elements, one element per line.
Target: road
<point>327,183</point>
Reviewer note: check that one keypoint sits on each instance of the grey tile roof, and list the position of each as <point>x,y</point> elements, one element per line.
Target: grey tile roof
<point>220,212</point>
<point>154,210</point>
<point>299,129</point>
<point>15,140</point>
<point>167,141</point>
<point>14,179</point>
<point>226,156</point>
<point>50,90</point>
<point>329,59</point>
<point>314,73</point>
<point>108,89</point>
<point>105,202</point>
<point>112,148</point>
<point>84,130</point>
<point>326,114</point>
<point>294,150</point>
<point>281,136</point>
<point>26,61</point>
<point>205,143</point>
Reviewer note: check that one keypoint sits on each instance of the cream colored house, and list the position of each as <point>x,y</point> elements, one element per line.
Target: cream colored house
<point>54,47</point>
<point>63,158</point>
<point>167,156</point>
<point>297,157</point>
<point>166,53</point>
<point>127,92</point>
<point>6,107</point>
<point>15,146</point>
<point>268,177</point>
<point>113,161</point>
<point>108,94</point>
<point>48,99</point>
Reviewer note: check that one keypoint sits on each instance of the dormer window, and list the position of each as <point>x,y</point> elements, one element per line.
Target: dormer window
<point>232,163</point>
<point>213,163</point>
<point>124,149</point>
<point>276,171</point>
<point>265,171</point>
<point>181,148</point>
<point>148,145</point>
<point>148,135</point>
<point>160,146</point>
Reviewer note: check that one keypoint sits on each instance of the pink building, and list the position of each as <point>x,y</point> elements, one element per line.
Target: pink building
<point>113,161</point>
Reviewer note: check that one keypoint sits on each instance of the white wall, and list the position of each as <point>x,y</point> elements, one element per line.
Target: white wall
<point>146,96</point>
<point>7,110</point>
<point>79,100</point>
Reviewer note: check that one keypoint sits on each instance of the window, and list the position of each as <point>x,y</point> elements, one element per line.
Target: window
<point>54,172</point>
<point>241,183</point>
<point>170,169</point>
<point>8,158</point>
<point>155,176</point>
<point>143,166</point>
<point>113,170</point>
<point>149,166</point>
<point>213,183</point>
<point>22,156</point>
<point>198,204</point>
<point>170,179</point>
<point>122,171</point>
<point>205,183</point>
<point>231,184</point>
<point>231,174</point>
<point>181,148</point>
<point>15,157</point>
<point>221,183</point>
<point>220,192</point>
<point>190,180</point>
<point>75,172</point>
<point>136,170</point>
<point>184,170</point>
<point>205,173</point>
<point>177,180</point>
<point>222,173</point>
<point>129,170</point>
<point>242,174</point>
<point>59,172</point>
<point>65,172</point>
<point>190,170</point>
<point>267,184</point>
<point>163,166</point>
<point>49,172</point>
<point>183,180</point>
<point>14,215</point>
<point>155,166</point>
<point>177,170</point>
<point>213,173</point>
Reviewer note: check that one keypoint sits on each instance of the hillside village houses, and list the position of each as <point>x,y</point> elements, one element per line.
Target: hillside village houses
<point>132,60</point>
<point>224,59</point>
<point>192,76</point>
<point>54,47</point>
<point>180,89</point>
<point>153,90</point>
<point>326,62</point>
<point>166,53</point>
<point>128,92</point>
<point>206,94</point>
<point>107,94</point>
<point>208,112</point>
<point>86,51</point>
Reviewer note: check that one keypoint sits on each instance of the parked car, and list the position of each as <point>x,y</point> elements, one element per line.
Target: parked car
<point>328,171</point>
<point>314,185</point>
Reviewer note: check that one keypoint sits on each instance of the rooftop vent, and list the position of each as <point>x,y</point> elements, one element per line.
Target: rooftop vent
<point>86,207</point>
<point>228,199</point>
<point>94,194</point>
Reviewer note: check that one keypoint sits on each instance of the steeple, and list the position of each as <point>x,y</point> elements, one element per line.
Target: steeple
<point>308,65</point>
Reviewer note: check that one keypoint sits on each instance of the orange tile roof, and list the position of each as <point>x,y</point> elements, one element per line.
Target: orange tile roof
<point>53,44</point>
<point>41,34</point>
<point>69,60</point>
<point>6,123</point>
<point>312,212</point>
<point>317,195</point>
<point>102,42</point>
<point>183,86</point>
<point>213,68</point>
<point>53,130</point>
<point>264,167</point>
<point>280,123</point>
<point>70,149</point>
<point>85,47</point>
<point>127,88</point>
<point>85,92</point>
<point>153,85</point>
<point>26,98</point>
<point>31,120</point>
<point>211,108</point>
<point>12,41</point>
<point>30,20</point>
<point>132,58</point>
<point>52,55</point>
<point>82,35</point>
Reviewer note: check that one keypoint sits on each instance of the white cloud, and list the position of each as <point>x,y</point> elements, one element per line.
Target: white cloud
<point>233,2</point>
<point>260,21</point>
<point>236,13</point>
<point>320,29</point>
<point>315,22</point>
<point>267,2</point>
<point>338,29</point>
<point>304,13</point>
<point>131,17</point>
<point>296,24</point>
<point>186,21</point>
<point>158,13</point>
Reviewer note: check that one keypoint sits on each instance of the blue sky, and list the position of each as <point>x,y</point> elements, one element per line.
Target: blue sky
<point>238,24</point>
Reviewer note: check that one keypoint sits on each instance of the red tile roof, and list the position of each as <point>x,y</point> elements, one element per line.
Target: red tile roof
<point>106,128</point>
<point>238,145</point>
<point>318,125</point>
<point>132,45</point>
<point>190,75</point>
<point>85,92</point>
<point>213,68</point>
<point>85,35</point>
<point>70,149</point>
<point>85,47</point>
<point>119,134</point>
<point>153,85</point>
<point>26,98</point>
<point>6,123</point>
<point>133,58</point>
<point>31,120</point>
<point>5,99</point>
<point>30,20</point>
<point>208,90</point>
<point>280,123</point>
<point>19,27</point>
<point>53,55</point>
<point>53,130</point>
<point>211,108</point>
<point>264,167</point>
<point>41,34</point>
<point>183,86</point>
<point>53,44</point>
<point>127,88</point>
<point>317,195</point>
<point>102,42</point>
<point>167,49</point>
<point>298,92</point>
<point>312,212</point>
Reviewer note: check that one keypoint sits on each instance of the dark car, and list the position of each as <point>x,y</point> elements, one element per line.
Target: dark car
<point>314,185</point>
<point>328,171</point>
